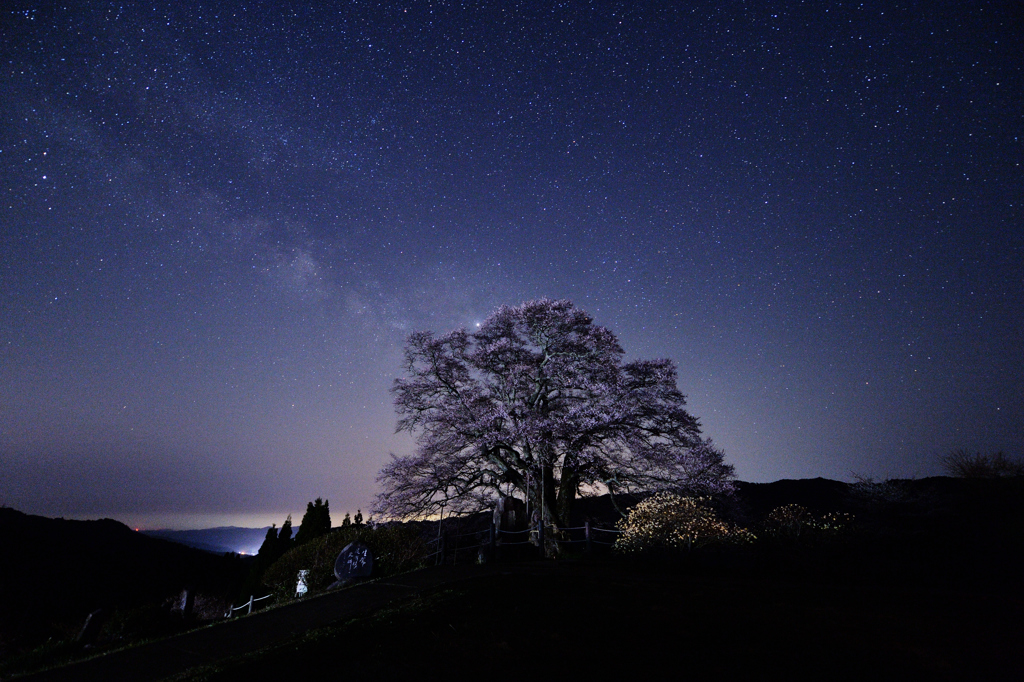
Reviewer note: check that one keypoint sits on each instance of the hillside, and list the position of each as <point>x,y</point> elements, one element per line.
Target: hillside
<point>925,585</point>
<point>54,572</point>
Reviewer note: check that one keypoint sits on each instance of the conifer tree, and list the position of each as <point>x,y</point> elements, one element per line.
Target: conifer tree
<point>284,538</point>
<point>269,546</point>
<point>315,522</point>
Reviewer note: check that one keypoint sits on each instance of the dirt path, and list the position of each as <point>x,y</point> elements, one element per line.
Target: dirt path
<point>174,655</point>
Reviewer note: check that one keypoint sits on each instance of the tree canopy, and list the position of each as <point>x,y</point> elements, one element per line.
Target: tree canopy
<point>538,404</point>
<point>315,522</point>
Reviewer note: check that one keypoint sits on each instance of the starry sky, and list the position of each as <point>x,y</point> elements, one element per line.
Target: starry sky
<point>219,222</point>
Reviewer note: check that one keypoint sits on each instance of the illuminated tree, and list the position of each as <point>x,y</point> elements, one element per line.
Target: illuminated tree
<point>538,404</point>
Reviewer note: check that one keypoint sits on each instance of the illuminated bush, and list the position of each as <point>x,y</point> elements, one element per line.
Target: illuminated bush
<point>793,520</point>
<point>835,522</point>
<point>673,522</point>
<point>788,520</point>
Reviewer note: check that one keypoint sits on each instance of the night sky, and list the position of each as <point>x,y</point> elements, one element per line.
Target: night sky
<point>219,222</point>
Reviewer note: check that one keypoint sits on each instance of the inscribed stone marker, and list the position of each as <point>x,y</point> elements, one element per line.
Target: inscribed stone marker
<point>355,561</point>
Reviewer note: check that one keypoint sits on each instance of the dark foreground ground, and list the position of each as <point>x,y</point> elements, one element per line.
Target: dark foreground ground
<point>926,585</point>
<point>612,618</point>
<point>599,618</point>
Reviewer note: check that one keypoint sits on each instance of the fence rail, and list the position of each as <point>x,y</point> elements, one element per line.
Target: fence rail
<point>449,546</point>
<point>488,542</point>
<point>247,605</point>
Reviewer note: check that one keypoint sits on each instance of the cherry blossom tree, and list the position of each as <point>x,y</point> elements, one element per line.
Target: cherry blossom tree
<point>538,404</point>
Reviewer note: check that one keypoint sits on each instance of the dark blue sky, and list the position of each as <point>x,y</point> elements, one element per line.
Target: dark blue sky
<point>220,221</point>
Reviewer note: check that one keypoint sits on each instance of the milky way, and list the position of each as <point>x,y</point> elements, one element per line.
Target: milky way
<point>219,222</point>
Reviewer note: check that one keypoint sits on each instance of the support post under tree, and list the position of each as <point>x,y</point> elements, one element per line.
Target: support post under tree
<point>540,535</point>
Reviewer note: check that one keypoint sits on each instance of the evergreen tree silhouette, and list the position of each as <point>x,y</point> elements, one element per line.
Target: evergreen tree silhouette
<point>315,522</point>
<point>284,538</point>
<point>269,545</point>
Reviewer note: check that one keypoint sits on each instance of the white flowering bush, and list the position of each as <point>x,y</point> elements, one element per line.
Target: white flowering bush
<point>789,520</point>
<point>673,522</point>
<point>794,520</point>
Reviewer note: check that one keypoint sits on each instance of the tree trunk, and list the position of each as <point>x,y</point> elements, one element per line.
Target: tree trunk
<point>550,515</point>
<point>535,498</point>
<point>568,486</point>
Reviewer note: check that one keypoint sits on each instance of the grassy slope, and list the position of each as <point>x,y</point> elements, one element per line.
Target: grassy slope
<point>929,588</point>
<point>622,617</point>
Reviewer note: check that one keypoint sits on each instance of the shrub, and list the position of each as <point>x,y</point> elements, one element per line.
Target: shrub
<point>788,520</point>
<point>964,464</point>
<point>395,548</point>
<point>667,521</point>
<point>793,520</point>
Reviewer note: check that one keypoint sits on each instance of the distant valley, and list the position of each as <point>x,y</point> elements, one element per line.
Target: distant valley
<point>245,541</point>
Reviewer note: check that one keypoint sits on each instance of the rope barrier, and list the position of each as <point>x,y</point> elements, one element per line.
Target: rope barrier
<point>449,546</point>
<point>247,605</point>
<point>239,608</point>
<point>472,532</point>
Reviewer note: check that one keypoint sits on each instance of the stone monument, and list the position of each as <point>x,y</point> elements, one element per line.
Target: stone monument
<point>354,562</point>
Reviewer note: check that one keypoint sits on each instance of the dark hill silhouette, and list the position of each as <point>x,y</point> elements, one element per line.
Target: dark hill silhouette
<point>54,572</point>
<point>819,495</point>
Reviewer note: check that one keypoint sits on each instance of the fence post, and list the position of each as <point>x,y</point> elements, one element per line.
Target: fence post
<point>250,605</point>
<point>586,532</point>
<point>91,630</point>
<point>492,541</point>
<point>188,601</point>
<point>540,536</point>
<point>444,549</point>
